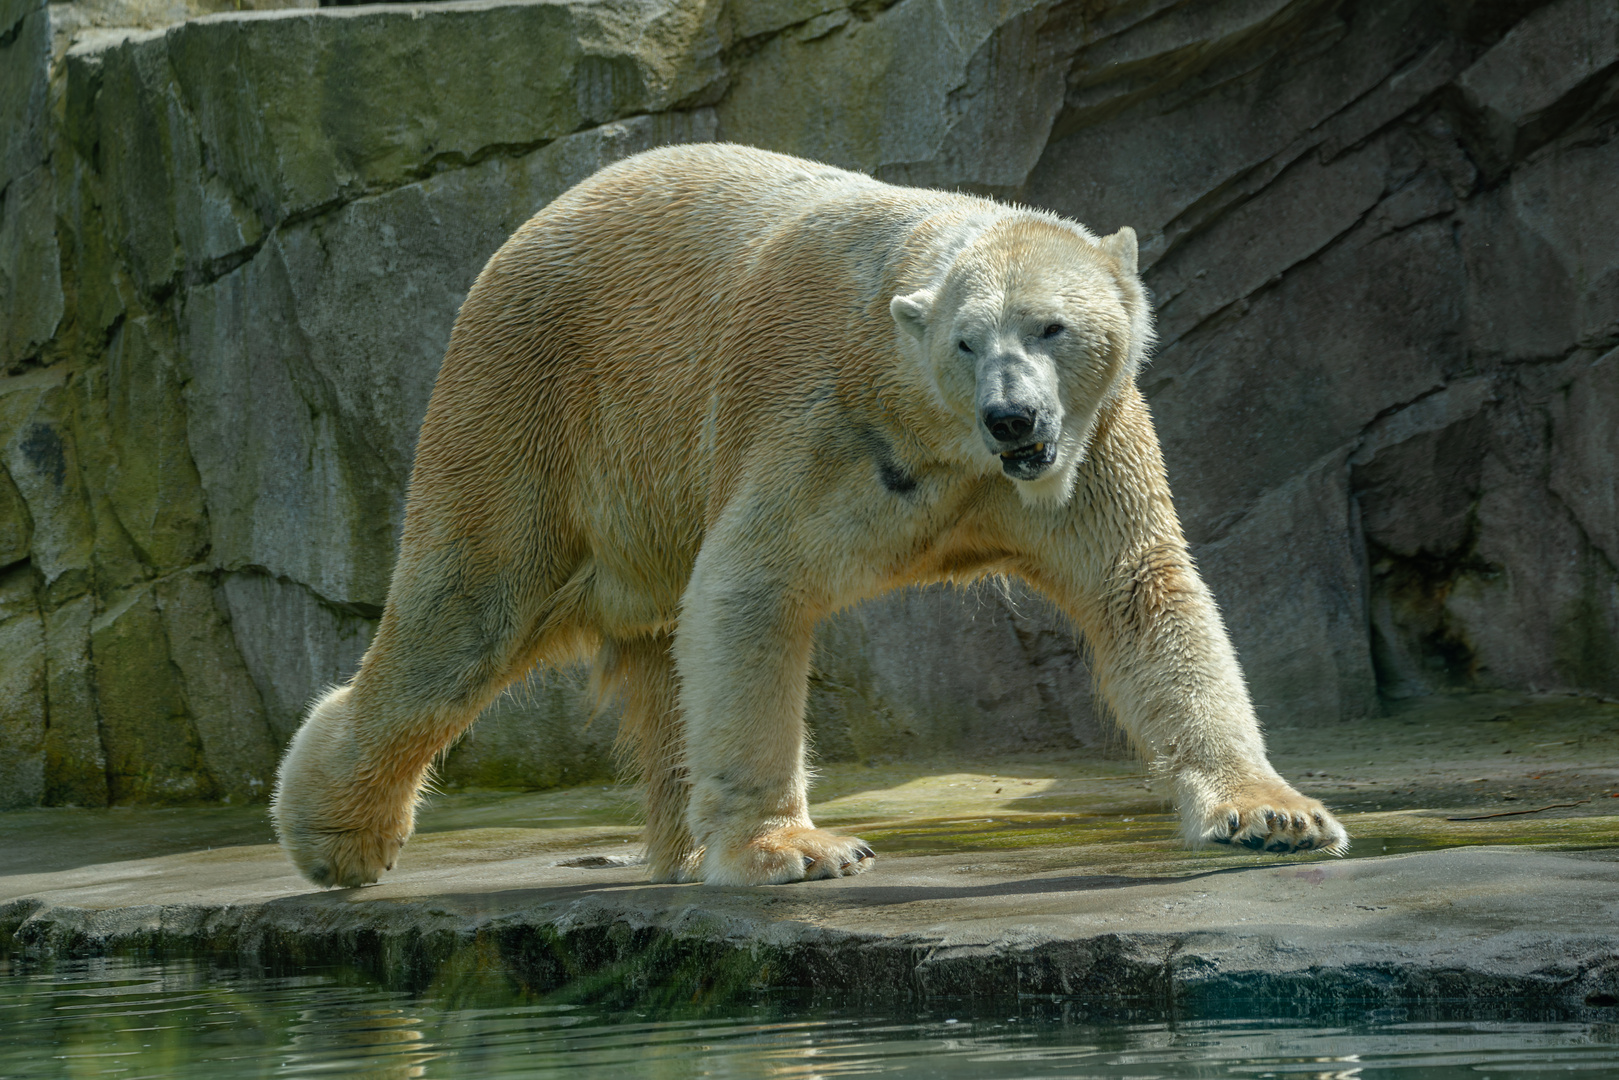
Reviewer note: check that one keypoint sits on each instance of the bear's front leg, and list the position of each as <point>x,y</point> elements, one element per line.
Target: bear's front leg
<point>743,652</point>
<point>1116,561</point>
<point>1169,668</point>
<point>1164,659</point>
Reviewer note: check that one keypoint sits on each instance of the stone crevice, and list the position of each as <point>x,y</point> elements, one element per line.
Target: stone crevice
<point>1215,316</point>
<point>434,168</point>
<point>1161,74</point>
<point>336,606</point>
<point>1610,563</point>
<point>9,36</point>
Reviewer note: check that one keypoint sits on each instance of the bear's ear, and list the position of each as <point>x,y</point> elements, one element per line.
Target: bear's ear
<point>911,312</point>
<point>1122,247</point>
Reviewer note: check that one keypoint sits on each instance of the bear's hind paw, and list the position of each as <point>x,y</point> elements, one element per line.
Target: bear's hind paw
<point>344,859</point>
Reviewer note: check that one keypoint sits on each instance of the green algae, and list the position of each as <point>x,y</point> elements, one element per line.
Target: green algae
<point>1395,781</point>
<point>1156,838</point>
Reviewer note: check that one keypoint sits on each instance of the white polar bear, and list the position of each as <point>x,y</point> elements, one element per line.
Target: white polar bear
<point>711,395</point>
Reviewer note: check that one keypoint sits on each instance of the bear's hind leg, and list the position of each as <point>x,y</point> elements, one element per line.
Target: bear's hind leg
<point>640,674</point>
<point>346,793</point>
<point>342,823</point>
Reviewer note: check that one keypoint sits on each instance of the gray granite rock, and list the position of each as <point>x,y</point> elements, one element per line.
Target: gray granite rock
<point>25,47</point>
<point>237,746</point>
<point>16,527</point>
<point>37,447</point>
<point>1298,619</point>
<point>544,731</point>
<point>153,753</point>
<point>990,669</point>
<point>1585,452</point>
<point>1483,573</point>
<point>22,692</point>
<point>75,763</point>
<point>293,643</point>
<point>345,102</point>
<point>151,481</point>
<point>949,94</point>
<point>31,296</point>
<point>1544,71</point>
<point>30,267</point>
<point>1381,236</point>
<point>1416,476</point>
<point>1537,606</point>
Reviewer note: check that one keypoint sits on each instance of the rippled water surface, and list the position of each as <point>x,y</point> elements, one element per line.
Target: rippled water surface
<point>122,1018</point>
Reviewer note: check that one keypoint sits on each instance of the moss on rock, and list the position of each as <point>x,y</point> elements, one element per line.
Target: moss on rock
<point>22,691</point>
<point>153,753</point>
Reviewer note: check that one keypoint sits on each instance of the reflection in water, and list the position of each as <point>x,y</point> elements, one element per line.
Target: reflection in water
<point>190,1021</point>
<point>377,1043</point>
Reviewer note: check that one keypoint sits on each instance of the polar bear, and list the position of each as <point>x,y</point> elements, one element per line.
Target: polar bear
<point>713,394</point>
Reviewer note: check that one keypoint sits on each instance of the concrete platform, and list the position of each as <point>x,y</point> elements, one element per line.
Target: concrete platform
<point>1042,876</point>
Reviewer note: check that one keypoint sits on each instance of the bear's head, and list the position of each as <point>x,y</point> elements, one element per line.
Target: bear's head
<point>1033,326</point>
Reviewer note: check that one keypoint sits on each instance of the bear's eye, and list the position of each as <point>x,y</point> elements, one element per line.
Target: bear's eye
<point>1054,329</point>
<point>964,347</point>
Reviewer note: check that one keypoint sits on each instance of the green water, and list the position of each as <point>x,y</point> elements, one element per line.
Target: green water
<point>182,1020</point>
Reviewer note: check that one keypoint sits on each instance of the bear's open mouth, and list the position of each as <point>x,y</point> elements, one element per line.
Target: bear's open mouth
<point>1027,462</point>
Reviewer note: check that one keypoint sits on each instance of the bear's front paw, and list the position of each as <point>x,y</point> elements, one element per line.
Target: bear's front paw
<point>784,855</point>
<point>1273,817</point>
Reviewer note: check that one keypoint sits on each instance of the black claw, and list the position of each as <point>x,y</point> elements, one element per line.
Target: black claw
<point>1233,822</point>
<point>865,852</point>
<point>808,862</point>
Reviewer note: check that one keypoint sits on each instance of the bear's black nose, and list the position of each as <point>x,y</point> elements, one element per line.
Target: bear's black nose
<point>1009,424</point>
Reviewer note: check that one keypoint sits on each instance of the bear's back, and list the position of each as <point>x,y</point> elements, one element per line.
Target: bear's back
<point>634,296</point>
<point>683,225</point>
<point>672,322</point>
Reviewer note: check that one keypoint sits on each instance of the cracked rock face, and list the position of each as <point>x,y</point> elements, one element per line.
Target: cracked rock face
<point>1382,237</point>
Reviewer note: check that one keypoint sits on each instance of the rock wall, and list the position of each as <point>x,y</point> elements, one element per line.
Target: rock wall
<point>1382,235</point>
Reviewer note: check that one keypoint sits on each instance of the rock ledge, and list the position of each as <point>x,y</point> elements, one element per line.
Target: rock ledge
<point>1478,924</point>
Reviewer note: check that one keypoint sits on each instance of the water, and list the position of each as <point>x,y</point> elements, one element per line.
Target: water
<point>182,1020</point>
